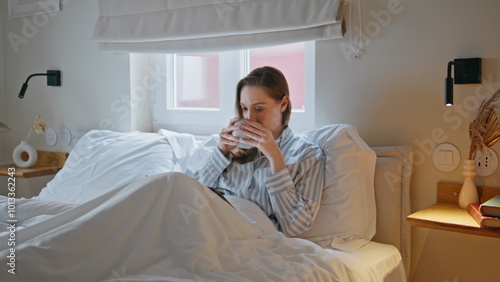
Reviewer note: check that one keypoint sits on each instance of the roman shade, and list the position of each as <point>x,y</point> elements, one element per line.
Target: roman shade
<point>187,26</point>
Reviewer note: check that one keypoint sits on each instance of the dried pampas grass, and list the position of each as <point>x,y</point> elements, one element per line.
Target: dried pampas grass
<point>484,130</point>
<point>39,126</point>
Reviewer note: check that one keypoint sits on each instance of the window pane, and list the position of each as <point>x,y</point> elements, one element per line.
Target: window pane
<point>197,81</point>
<point>290,60</point>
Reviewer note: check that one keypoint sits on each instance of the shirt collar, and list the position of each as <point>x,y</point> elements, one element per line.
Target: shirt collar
<point>285,136</point>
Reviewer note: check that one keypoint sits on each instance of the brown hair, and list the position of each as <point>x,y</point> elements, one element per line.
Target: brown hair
<point>273,82</point>
<point>275,85</point>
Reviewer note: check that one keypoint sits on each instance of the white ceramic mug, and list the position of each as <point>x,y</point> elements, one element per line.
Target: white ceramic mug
<point>239,134</point>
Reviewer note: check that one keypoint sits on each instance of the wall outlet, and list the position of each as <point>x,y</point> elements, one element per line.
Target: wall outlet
<point>486,163</point>
<point>65,139</point>
<point>50,136</point>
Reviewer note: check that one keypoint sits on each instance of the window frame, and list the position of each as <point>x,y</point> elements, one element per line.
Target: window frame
<point>210,121</point>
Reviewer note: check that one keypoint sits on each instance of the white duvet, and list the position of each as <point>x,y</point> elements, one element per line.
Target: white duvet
<point>165,227</point>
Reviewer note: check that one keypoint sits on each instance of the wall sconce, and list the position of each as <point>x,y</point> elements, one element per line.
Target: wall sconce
<point>467,71</point>
<point>53,79</point>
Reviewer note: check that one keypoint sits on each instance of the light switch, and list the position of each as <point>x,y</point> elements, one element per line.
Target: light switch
<point>449,157</point>
<point>442,157</point>
<point>446,157</point>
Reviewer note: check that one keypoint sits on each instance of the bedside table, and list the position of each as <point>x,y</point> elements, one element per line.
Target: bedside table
<point>30,181</point>
<point>446,215</point>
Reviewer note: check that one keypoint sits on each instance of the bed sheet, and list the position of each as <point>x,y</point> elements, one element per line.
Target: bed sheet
<point>373,262</point>
<point>167,227</point>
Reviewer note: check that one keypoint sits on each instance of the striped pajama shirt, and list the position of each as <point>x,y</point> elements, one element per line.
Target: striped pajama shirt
<point>290,197</point>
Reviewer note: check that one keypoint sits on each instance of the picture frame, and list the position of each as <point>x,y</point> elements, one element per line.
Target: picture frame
<point>23,8</point>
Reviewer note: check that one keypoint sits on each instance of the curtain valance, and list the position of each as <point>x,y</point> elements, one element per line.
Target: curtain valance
<point>185,26</point>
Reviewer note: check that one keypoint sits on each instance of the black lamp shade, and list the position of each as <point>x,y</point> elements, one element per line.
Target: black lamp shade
<point>448,96</point>
<point>467,71</point>
<point>23,90</point>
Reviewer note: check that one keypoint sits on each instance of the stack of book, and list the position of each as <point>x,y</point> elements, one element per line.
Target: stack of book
<point>487,214</point>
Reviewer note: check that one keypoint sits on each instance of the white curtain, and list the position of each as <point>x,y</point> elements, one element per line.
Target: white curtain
<point>187,26</point>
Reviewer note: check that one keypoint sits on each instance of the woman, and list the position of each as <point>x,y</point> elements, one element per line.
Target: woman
<point>282,174</point>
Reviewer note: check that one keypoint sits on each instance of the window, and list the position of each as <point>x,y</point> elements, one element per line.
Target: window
<point>290,59</point>
<point>198,93</point>
<point>186,69</point>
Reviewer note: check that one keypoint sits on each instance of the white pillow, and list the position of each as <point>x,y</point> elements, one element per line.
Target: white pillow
<point>103,160</point>
<point>199,156</point>
<point>182,144</point>
<point>347,214</point>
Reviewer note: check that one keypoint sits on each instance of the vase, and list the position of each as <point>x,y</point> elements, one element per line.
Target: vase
<point>25,155</point>
<point>468,193</point>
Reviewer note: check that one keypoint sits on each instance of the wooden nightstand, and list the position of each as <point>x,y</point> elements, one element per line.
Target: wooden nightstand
<point>47,165</point>
<point>446,215</point>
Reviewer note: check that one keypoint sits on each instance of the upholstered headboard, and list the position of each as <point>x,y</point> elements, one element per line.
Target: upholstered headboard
<point>392,195</point>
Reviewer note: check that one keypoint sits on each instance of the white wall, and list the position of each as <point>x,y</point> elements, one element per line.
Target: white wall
<point>94,91</point>
<point>394,95</point>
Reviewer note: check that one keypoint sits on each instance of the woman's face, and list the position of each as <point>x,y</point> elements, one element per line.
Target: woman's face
<point>256,105</point>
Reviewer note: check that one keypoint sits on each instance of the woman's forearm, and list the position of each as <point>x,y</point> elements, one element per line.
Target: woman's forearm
<point>277,162</point>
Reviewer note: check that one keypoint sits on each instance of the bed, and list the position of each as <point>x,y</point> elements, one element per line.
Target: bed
<point>125,208</point>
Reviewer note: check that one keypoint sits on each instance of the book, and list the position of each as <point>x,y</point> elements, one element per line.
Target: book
<point>484,221</point>
<point>491,207</point>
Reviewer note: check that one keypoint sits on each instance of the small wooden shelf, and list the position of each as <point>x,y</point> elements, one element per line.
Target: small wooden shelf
<point>446,215</point>
<point>48,163</point>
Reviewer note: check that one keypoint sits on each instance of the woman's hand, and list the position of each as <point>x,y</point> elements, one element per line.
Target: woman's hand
<point>227,141</point>
<point>263,139</point>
